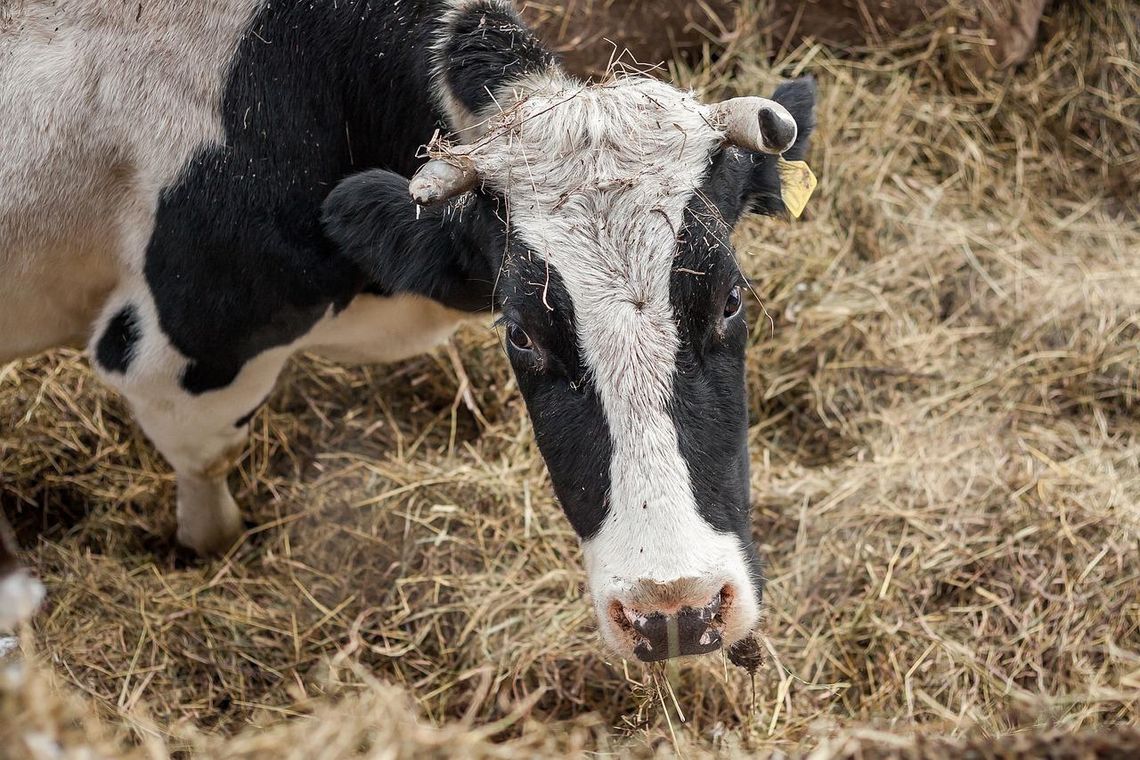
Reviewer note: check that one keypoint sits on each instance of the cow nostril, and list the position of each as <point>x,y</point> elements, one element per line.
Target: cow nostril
<point>725,598</point>
<point>624,618</point>
<point>710,613</point>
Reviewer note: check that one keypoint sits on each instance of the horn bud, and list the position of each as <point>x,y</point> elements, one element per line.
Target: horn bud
<point>442,179</point>
<point>756,124</point>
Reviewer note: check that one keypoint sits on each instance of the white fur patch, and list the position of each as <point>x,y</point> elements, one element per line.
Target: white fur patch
<point>597,179</point>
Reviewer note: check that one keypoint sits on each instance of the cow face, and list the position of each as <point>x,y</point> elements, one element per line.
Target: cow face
<point>602,215</point>
<point>624,319</point>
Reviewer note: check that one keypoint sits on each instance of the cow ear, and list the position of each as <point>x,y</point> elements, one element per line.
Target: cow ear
<point>437,252</point>
<point>483,48</point>
<point>762,191</point>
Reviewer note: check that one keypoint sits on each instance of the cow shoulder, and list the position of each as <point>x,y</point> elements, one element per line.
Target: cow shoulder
<point>238,262</point>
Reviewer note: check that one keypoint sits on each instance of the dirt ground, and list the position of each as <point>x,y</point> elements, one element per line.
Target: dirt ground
<point>944,379</point>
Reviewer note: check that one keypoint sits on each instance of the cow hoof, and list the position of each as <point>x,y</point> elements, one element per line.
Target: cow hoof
<point>20,595</point>
<point>209,522</point>
<point>208,541</point>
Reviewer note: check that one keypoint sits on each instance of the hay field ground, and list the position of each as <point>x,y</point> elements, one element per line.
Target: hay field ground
<point>945,399</point>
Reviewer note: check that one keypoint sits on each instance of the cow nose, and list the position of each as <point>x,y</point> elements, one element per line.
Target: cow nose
<point>677,627</point>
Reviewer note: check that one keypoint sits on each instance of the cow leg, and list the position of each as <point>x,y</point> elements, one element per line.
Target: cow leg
<point>201,435</point>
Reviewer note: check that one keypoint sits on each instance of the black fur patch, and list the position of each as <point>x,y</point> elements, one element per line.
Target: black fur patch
<point>709,402</point>
<point>487,45</point>
<point>116,347</point>
<point>566,412</point>
<point>238,262</point>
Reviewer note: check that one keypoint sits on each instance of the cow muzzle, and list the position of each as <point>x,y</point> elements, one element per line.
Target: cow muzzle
<point>659,621</point>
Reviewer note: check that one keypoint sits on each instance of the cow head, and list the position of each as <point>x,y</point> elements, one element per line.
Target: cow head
<point>597,219</point>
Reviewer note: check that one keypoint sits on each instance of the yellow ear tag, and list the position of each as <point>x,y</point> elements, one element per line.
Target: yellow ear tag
<point>796,185</point>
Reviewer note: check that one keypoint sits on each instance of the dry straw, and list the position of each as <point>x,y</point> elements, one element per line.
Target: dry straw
<point>945,385</point>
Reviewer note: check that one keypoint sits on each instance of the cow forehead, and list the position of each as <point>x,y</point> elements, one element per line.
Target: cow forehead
<point>565,148</point>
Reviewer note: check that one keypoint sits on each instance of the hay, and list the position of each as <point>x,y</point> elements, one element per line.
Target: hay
<point>992,34</point>
<point>946,438</point>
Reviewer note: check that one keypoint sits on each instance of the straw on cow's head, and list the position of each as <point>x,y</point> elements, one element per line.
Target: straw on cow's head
<point>755,124</point>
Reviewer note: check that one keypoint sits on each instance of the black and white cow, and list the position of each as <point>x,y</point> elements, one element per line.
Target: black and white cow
<point>196,191</point>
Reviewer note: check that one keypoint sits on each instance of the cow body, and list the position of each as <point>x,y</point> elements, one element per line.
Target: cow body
<point>197,191</point>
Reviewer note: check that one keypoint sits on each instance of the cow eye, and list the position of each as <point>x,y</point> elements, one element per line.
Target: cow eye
<point>519,339</point>
<point>733,303</point>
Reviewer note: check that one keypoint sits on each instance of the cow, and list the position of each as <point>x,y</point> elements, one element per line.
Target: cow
<point>197,191</point>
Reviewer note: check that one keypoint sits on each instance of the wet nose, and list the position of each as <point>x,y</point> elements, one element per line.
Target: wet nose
<point>679,627</point>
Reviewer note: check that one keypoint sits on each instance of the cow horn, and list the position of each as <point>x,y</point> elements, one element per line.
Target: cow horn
<point>441,179</point>
<point>757,124</point>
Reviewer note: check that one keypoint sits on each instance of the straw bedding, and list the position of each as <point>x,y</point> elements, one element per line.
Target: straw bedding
<point>945,384</point>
